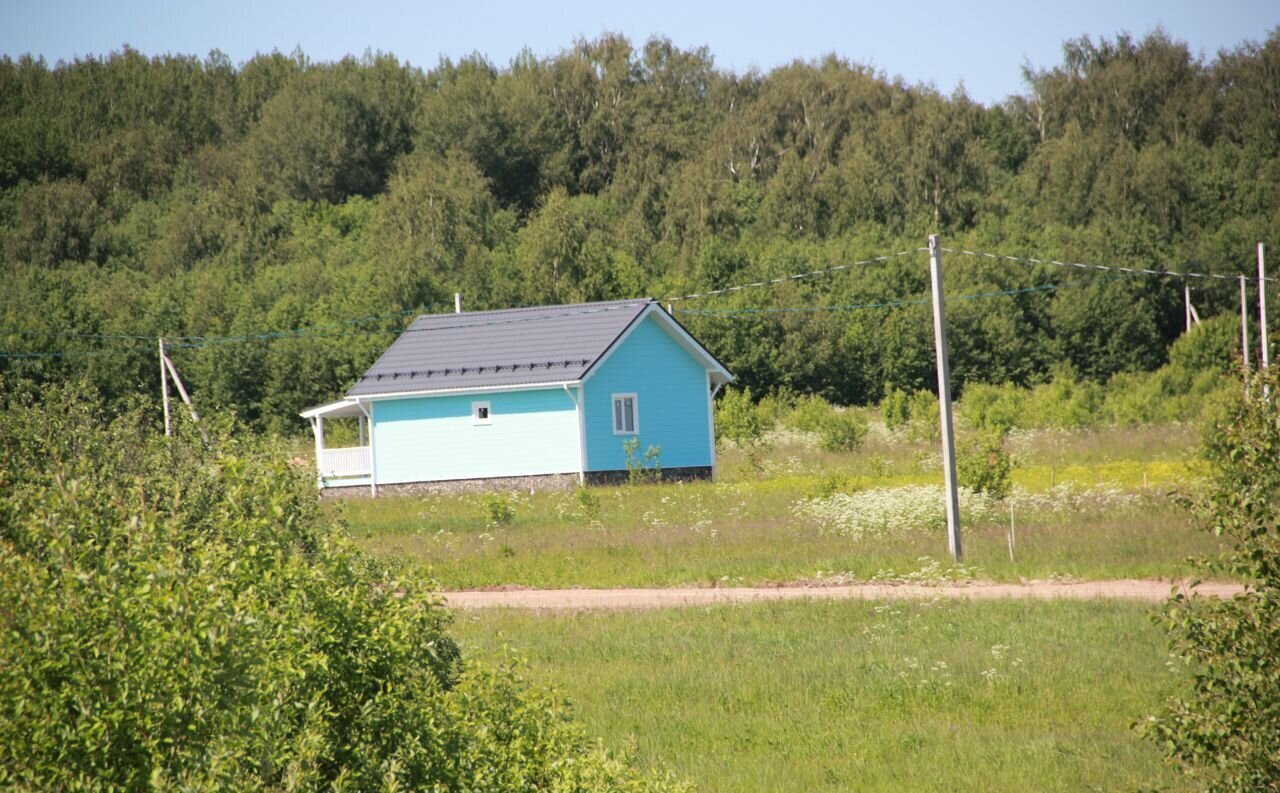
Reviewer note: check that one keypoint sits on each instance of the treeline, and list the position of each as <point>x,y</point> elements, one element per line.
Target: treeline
<point>281,215</point>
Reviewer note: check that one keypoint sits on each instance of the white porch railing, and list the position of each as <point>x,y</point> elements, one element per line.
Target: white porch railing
<point>351,461</point>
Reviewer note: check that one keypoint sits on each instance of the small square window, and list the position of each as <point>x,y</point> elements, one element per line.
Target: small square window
<point>626,419</point>
<point>480,413</point>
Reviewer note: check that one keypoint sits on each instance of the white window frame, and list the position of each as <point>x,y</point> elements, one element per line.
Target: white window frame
<point>476,407</point>
<point>635,414</point>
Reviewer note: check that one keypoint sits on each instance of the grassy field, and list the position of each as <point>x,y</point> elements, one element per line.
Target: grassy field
<point>1089,505</point>
<point>861,696</point>
<point>850,695</point>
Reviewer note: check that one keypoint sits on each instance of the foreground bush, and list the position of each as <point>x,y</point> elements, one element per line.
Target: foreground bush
<point>1225,730</point>
<point>181,617</point>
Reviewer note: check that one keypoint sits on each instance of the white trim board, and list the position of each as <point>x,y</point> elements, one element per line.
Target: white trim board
<point>464,391</point>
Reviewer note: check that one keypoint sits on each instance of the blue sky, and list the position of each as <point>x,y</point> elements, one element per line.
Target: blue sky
<point>980,45</point>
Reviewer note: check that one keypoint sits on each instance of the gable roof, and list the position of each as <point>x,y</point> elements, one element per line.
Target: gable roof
<point>514,347</point>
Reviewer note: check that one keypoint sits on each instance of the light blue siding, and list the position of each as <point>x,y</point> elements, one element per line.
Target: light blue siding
<point>671,398</point>
<point>422,439</point>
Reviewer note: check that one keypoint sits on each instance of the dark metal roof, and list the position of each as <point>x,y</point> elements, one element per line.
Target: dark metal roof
<point>485,349</point>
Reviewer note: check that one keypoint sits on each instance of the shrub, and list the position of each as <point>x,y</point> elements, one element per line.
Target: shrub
<point>642,468</point>
<point>843,431</point>
<point>499,508</point>
<point>737,418</point>
<point>1171,393</point>
<point>1225,729</point>
<point>830,484</point>
<point>773,409</point>
<point>924,417</point>
<point>808,414</point>
<point>994,408</point>
<point>176,616</point>
<point>983,466</point>
<point>1211,346</point>
<point>1064,403</point>
<point>894,410</point>
<point>588,503</point>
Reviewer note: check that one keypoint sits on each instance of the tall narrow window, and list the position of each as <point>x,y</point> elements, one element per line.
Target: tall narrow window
<point>626,420</point>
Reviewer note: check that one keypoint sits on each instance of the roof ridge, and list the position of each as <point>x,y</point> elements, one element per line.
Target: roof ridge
<point>501,347</point>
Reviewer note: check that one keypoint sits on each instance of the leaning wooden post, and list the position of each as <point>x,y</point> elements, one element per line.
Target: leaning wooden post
<point>944,401</point>
<point>164,390</point>
<point>182,391</point>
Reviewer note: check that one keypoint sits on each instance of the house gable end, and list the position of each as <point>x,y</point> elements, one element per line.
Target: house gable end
<point>668,389</point>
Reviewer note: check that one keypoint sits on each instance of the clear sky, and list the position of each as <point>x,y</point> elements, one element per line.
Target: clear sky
<point>981,45</point>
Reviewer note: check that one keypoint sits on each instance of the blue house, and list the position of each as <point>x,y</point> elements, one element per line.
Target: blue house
<point>530,397</point>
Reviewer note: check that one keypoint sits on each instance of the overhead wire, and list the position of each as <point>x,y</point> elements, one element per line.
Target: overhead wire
<point>175,338</point>
<point>794,276</point>
<point>320,331</point>
<point>199,341</point>
<point>714,312</point>
<point>1104,267</point>
<point>194,342</point>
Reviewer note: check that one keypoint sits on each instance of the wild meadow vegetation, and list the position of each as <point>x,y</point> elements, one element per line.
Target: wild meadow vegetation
<point>1086,502</point>
<point>946,695</point>
<point>930,696</point>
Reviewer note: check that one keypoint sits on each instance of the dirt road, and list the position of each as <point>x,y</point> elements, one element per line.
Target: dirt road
<point>619,599</point>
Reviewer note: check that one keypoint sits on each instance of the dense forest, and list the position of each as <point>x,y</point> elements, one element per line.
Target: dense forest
<point>278,220</point>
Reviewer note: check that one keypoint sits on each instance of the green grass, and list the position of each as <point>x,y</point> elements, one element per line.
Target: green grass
<point>744,530</point>
<point>860,696</point>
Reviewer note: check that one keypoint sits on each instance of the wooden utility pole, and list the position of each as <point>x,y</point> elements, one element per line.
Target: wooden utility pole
<point>944,401</point>
<point>1244,333</point>
<point>1262,303</point>
<point>164,390</point>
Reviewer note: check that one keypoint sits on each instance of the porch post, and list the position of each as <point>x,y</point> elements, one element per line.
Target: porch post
<point>373,464</point>
<point>711,424</point>
<point>581,405</point>
<point>317,427</point>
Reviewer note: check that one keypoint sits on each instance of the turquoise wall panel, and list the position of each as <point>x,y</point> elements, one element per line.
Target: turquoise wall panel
<point>421,439</point>
<point>671,390</point>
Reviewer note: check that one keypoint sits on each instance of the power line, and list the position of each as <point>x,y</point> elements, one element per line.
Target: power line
<point>712,312</point>
<point>263,335</point>
<point>199,341</point>
<point>794,277</point>
<point>205,342</point>
<point>320,331</point>
<point>1083,266</point>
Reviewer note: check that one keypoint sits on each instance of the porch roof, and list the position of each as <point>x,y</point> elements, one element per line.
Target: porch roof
<point>343,408</point>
